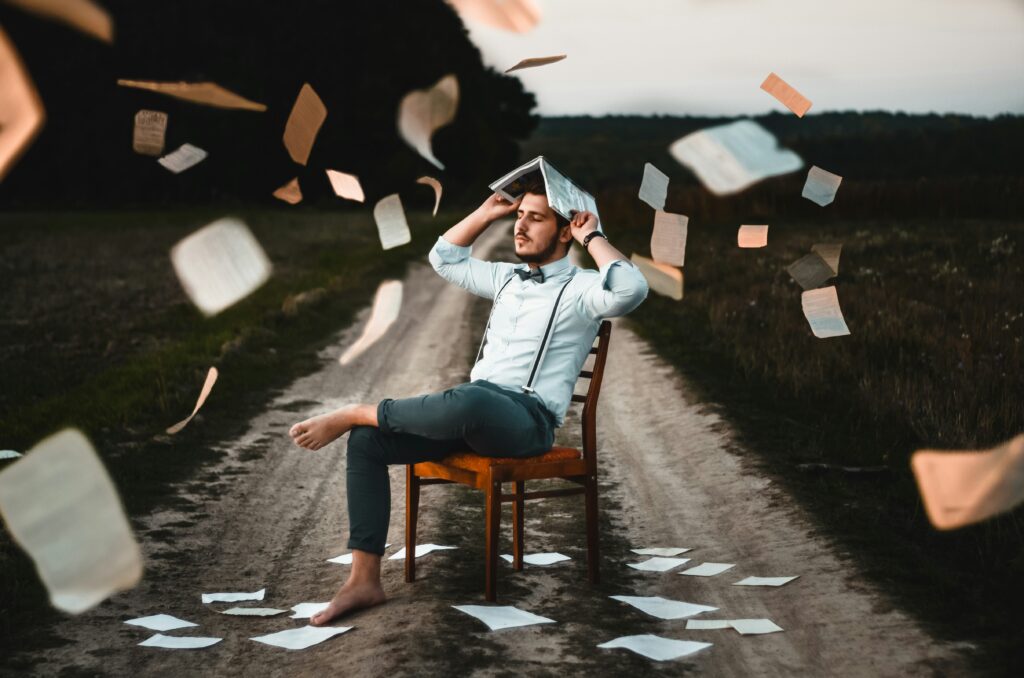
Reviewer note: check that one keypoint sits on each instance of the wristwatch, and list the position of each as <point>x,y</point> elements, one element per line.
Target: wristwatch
<point>590,236</point>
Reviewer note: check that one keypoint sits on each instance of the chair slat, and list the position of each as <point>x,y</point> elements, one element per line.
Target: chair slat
<point>577,398</point>
<point>586,374</point>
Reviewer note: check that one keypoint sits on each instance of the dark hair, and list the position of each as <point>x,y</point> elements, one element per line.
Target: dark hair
<point>536,187</point>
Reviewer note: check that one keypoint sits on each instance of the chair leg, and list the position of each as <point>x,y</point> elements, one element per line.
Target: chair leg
<point>517,524</point>
<point>593,548</point>
<point>412,511</point>
<point>493,526</point>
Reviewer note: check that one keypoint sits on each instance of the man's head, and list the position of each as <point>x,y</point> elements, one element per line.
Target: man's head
<point>541,235</point>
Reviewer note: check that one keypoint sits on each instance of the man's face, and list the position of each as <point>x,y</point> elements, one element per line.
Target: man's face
<point>536,234</point>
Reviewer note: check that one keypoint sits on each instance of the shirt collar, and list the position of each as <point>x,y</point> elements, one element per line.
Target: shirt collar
<point>555,268</point>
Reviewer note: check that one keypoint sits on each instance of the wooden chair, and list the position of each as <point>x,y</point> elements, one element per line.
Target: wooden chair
<point>490,473</point>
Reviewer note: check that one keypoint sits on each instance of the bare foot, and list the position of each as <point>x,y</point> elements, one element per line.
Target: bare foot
<point>316,432</point>
<point>350,597</point>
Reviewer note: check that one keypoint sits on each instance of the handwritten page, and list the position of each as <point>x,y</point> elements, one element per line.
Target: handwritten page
<point>182,159</point>
<point>821,308</point>
<point>392,227</point>
<point>786,95</point>
<point>654,187</point>
<point>821,186</point>
<point>752,236</point>
<point>663,279</point>
<point>810,271</point>
<point>148,134</point>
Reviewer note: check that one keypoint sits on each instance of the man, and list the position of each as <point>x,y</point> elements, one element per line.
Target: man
<point>542,325</point>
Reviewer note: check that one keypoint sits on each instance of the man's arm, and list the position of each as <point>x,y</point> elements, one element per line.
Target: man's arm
<point>451,258</point>
<point>621,287</point>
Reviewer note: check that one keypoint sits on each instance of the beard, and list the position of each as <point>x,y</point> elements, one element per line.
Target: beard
<point>543,255</point>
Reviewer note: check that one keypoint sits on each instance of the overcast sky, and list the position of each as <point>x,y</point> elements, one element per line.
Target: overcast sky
<point>710,56</point>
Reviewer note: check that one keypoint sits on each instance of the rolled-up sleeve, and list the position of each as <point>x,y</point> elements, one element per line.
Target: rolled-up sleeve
<point>454,264</point>
<point>620,288</point>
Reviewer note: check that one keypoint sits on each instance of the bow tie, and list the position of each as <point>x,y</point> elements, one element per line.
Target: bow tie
<point>526,274</point>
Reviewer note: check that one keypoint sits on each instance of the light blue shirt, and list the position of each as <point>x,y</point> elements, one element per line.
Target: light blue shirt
<point>521,315</point>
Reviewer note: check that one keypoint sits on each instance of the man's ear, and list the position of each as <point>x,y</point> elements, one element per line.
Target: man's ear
<point>565,234</point>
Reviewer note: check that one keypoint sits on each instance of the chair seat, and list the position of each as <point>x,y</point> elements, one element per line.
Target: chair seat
<point>479,463</point>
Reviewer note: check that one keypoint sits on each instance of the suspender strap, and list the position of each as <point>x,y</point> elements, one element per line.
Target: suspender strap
<point>483,339</point>
<point>542,348</point>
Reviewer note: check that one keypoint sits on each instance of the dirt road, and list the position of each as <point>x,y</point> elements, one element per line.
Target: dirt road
<point>271,514</point>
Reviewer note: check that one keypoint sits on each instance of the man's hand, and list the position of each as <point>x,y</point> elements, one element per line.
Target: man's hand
<point>581,224</point>
<point>496,207</point>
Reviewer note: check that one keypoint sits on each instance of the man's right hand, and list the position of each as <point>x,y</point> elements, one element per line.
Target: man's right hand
<point>496,207</point>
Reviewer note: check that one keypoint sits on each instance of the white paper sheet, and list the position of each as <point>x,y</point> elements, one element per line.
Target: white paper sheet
<point>729,158</point>
<point>387,304</point>
<point>290,193</point>
<point>392,227</point>
<point>233,597</point>
<point>421,550</point>
<point>656,647</point>
<point>666,552</point>
<point>659,564</point>
<point>9,454</point>
<point>821,186</point>
<point>810,271</point>
<point>786,94</point>
<point>160,622</point>
<point>752,236</point>
<point>663,608</point>
<point>301,638</point>
<point>179,642</point>
<point>149,132</point>
<point>205,93</point>
<point>505,617</point>
<point>539,558</point>
<point>422,112</point>
<point>21,109</point>
<point>346,186</point>
<point>185,157</point>
<point>307,610</point>
<point>438,189</point>
<point>755,627</point>
<point>829,252</point>
<point>253,611</point>
<point>346,558</point>
<point>654,187</point>
<point>708,624</point>
<point>668,240</point>
<point>534,62</point>
<point>220,264</point>
<point>62,509</point>
<point>765,581</point>
<point>211,379</point>
<point>708,569</point>
<point>304,122</point>
<point>518,16</point>
<point>821,308</point>
<point>661,278</point>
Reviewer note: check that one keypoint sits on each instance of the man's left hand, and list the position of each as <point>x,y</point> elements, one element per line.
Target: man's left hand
<point>581,224</point>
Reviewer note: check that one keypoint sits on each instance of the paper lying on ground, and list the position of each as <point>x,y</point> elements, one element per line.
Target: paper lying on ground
<point>61,507</point>
<point>160,622</point>
<point>220,264</point>
<point>810,271</point>
<point>764,581</point>
<point>534,62</point>
<point>656,647</point>
<point>960,488</point>
<point>752,236</point>
<point>291,192</point>
<point>301,638</point>
<point>149,132</point>
<point>182,159</point>
<point>747,627</point>
<point>539,558</point>
<point>211,379</point>
<point>346,558</point>
<point>307,610</point>
<point>421,550</point>
<point>663,608</point>
<point>659,564</point>
<point>729,158</point>
<point>304,122</point>
<point>708,569</point>
<point>829,252</point>
<point>511,15</point>
<point>179,642</point>
<point>205,93</point>
<point>661,278</point>
<point>502,617</point>
<point>387,303</point>
<point>708,624</point>
<point>83,15</point>
<point>392,227</point>
<point>667,552</point>
<point>821,308</point>
<point>21,109</point>
<point>424,111</point>
<point>233,597</point>
<point>346,185</point>
<point>668,240</point>
<point>821,186</point>
<point>654,187</point>
<point>253,611</point>
<point>786,94</point>
<point>9,454</point>
<point>436,185</point>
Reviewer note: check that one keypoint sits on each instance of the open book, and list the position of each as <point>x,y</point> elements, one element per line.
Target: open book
<point>564,196</point>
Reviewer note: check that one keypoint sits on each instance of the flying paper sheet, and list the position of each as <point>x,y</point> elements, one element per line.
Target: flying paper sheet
<point>534,62</point>
<point>205,93</point>
<point>301,638</point>
<point>661,278</point>
<point>211,379</point>
<point>656,647</point>
<point>764,581</point>
<point>148,135</point>
<point>662,608</point>
<point>304,122</point>
<point>658,564</point>
<point>83,15</point>
<point>668,240</point>
<point>960,488</point>
<point>179,642</point>
<point>708,569</point>
<point>392,227</point>
<point>821,308</point>
<point>291,192</point>
<point>233,597</point>
<point>786,95</point>
<point>160,622</point>
<point>253,612</point>
<point>424,111</point>
<point>654,187</point>
<point>810,271</point>
<point>307,610</point>
<point>421,550</point>
<point>346,185</point>
<point>660,551</point>
<point>62,509</point>
<point>752,236</point>
<point>830,253</point>
<point>746,627</point>
<point>436,185</point>
<point>502,617</point>
<point>9,454</point>
<point>185,157</point>
<point>821,186</point>
<point>539,558</point>
<point>511,15</point>
<point>220,264</point>
<point>729,158</point>
<point>21,110</point>
<point>387,303</point>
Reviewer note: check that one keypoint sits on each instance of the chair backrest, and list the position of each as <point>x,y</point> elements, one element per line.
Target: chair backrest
<point>589,399</point>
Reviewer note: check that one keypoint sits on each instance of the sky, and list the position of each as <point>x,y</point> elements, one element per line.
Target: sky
<point>709,57</point>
